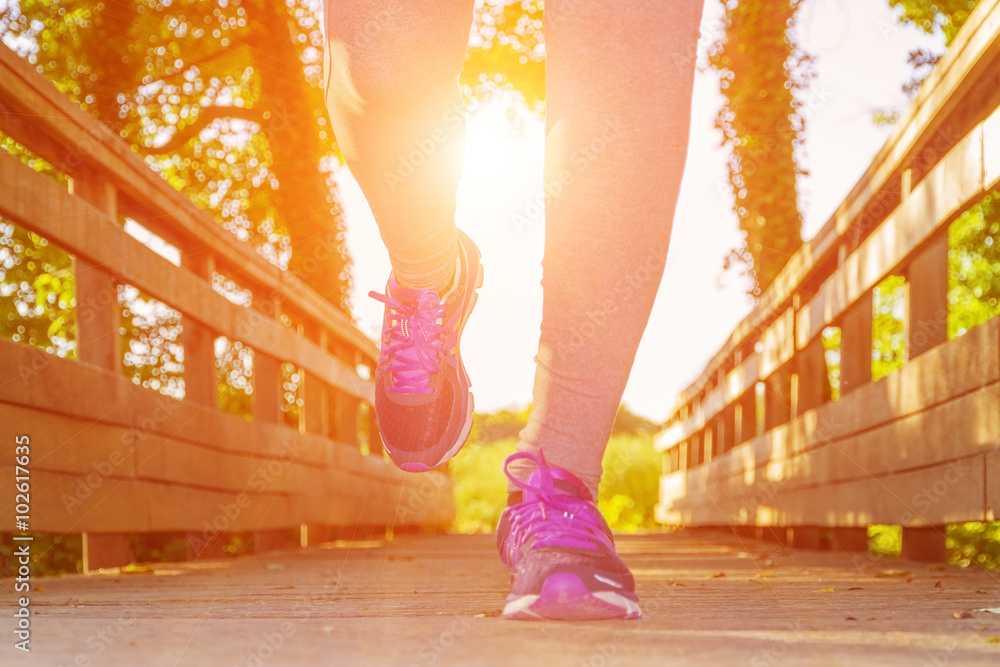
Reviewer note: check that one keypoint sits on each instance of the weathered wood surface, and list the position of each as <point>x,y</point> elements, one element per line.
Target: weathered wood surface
<point>918,447</point>
<point>708,599</point>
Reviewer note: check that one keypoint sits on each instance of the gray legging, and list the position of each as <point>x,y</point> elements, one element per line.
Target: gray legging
<point>619,79</point>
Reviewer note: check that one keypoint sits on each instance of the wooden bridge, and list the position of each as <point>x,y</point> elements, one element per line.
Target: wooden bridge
<point>757,442</point>
<point>777,458</point>
<point>109,458</point>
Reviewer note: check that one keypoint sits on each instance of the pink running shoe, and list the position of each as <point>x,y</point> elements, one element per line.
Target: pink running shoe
<point>423,406</point>
<point>560,551</point>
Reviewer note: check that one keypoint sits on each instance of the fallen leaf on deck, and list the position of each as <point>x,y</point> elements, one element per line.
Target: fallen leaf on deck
<point>850,618</point>
<point>718,575</point>
<point>823,590</point>
<point>993,640</point>
<point>893,574</point>
<point>959,615</point>
<point>980,591</point>
<point>855,588</point>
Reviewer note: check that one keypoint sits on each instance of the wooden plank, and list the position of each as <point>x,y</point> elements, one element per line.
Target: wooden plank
<point>993,486</point>
<point>63,503</point>
<point>84,231</point>
<point>949,493</point>
<point>65,444</point>
<point>991,151</point>
<point>952,184</point>
<point>86,143</point>
<point>970,58</point>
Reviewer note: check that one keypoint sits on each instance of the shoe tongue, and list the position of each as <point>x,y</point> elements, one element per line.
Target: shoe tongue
<point>565,483</point>
<point>424,298</point>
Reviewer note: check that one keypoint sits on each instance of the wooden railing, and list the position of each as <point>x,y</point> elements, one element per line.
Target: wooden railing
<point>757,443</point>
<point>109,458</point>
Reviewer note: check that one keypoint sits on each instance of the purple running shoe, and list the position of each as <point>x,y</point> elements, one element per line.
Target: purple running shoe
<point>423,406</point>
<point>560,551</point>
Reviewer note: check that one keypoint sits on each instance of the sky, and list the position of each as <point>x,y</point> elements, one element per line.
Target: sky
<point>861,65</point>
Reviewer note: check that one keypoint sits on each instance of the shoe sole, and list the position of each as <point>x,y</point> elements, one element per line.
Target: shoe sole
<point>416,466</point>
<point>564,597</point>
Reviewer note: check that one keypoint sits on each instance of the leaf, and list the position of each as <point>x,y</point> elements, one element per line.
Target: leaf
<point>823,590</point>
<point>959,615</point>
<point>893,574</point>
<point>718,575</point>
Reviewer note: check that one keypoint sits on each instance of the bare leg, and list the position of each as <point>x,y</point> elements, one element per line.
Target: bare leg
<point>392,71</point>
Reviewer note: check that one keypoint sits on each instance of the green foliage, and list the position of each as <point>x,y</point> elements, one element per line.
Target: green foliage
<point>37,292</point>
<point>974,543</point>
<point>480,486</point>
<point>831,353</point>
<point>761,70</point>
<point>51,554</point>
<point>507,52</point>
<point>629,487</point>
<point>223,98</point>
<point>931,16</point>
<point>885,540</point>
<point>291,393</point>
<point>498,425</point>
<point>974,266</point>
<point>234,367</point>
<point>152,353</point>
<point>888,326</point>
<point>948,16</point>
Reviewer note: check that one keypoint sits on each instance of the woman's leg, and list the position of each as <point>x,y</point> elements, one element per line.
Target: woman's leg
<point>392,71</point>
<point>619,81</point>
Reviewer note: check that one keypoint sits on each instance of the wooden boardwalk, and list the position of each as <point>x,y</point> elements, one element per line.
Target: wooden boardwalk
<point>708,598</point>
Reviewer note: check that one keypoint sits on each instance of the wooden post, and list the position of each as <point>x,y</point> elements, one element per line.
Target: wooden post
<point>314,404</point>
<point>201,382</point>
<point>777,399</point>
<point>748,412</point>
<point>810,365</point>
<point>98,314</point>
<point>267,388</point>
<point>273,540</point>
<point>924,544</point>
<point>99,343</point>
<point>927,277</point>
<point>106,550</point>
<point>850,539</point>
<point>856,345</point>
<point>806,537</point>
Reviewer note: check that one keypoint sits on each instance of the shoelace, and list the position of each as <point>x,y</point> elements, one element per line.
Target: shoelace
<point>416,343</point>
<point>552,520</point>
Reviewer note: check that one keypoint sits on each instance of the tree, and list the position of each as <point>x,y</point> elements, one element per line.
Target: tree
<point>223,98</point>
<point>507,52</point>
<point>761,68</point>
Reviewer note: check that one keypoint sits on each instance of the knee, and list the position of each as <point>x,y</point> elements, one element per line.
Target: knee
<point>380,64</point>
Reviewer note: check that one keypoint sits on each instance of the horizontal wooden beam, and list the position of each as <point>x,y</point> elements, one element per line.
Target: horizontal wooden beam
<point>39,204</point>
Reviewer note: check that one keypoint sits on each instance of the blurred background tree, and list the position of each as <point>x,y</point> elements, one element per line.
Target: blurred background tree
<point>224,100</point>
<point>762,71</point>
